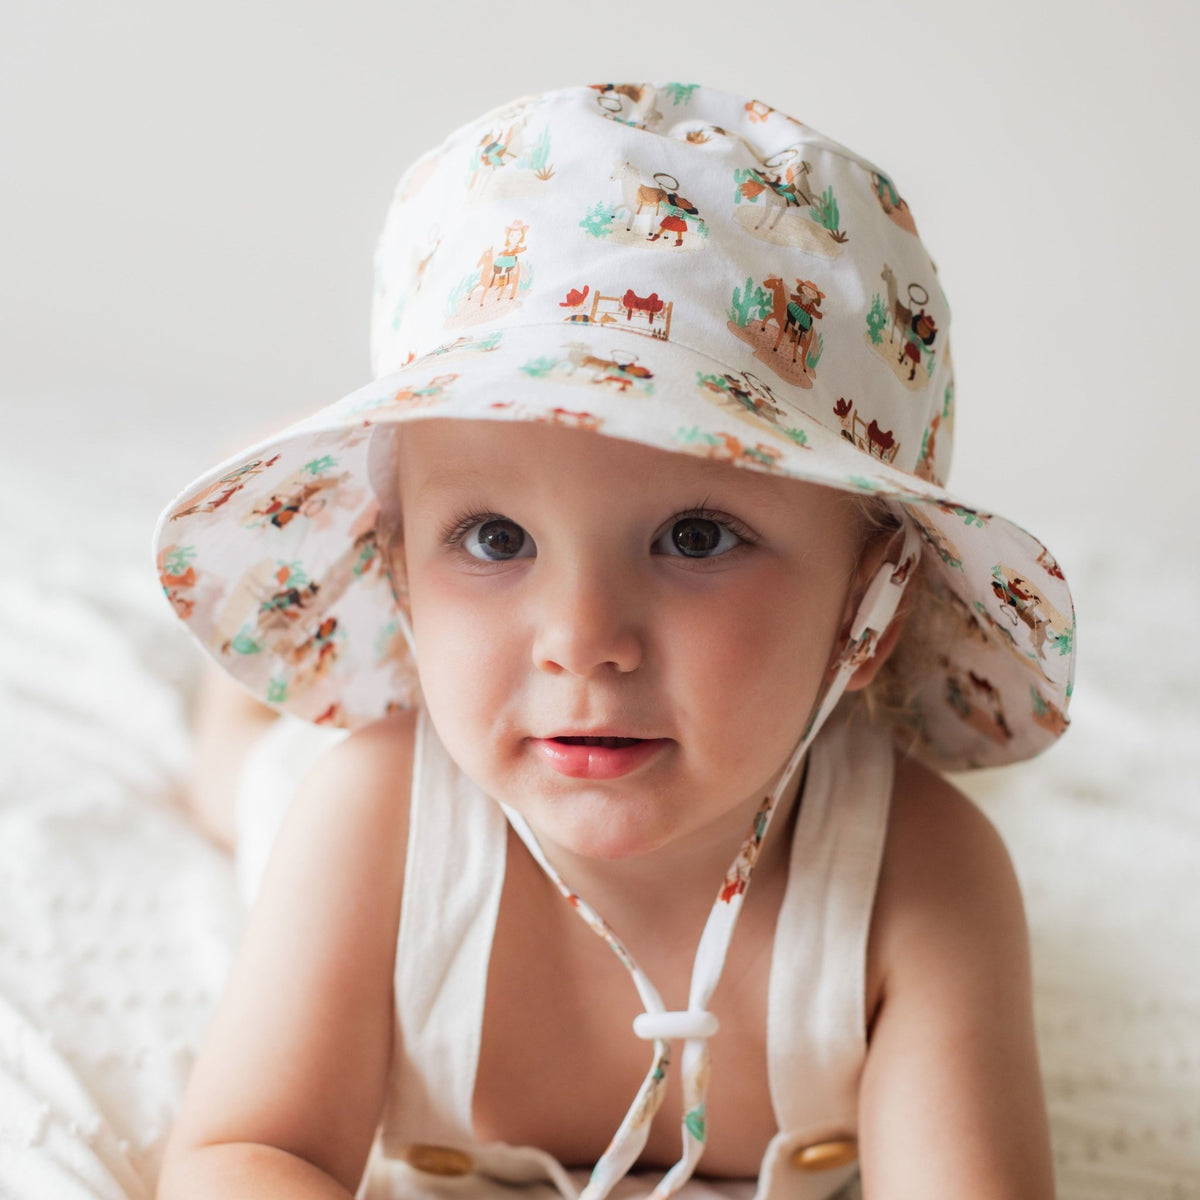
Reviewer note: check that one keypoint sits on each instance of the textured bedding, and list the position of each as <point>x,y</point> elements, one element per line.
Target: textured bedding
<point>118,920</point>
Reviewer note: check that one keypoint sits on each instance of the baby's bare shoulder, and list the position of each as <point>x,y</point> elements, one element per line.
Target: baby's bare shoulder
<point>942,850</point>
<point>349,821</point>
<point>949,942</point>
<point>389,741</point>
<point>952,1056</point>
<point>948,910</point>
<point>367,771</point>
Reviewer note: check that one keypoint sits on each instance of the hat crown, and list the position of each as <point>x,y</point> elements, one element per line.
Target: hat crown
<point>690,215</point>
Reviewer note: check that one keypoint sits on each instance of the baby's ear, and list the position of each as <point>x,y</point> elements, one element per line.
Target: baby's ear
<point>866,673</point>
<point>880,551</point>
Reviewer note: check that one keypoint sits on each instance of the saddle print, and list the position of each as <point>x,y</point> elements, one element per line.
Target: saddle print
<point>866,435</point>
<point>648,315</point>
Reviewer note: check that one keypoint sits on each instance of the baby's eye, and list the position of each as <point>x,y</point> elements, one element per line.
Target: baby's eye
<point>697,537</point>
<point>497,539</point>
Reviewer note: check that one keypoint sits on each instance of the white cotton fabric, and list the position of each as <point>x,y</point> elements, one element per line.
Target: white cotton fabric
<point>816,1019</point>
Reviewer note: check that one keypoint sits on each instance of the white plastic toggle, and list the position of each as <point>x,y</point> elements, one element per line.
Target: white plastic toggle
<point>667,1025</point>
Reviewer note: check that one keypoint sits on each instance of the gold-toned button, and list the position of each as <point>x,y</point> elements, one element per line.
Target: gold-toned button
<point>824,1156</point>
<point>438,1160</point>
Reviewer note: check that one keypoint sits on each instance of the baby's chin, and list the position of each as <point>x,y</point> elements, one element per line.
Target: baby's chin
<point>599,827</point>
<point>655,812</point>
<point>645,833</point>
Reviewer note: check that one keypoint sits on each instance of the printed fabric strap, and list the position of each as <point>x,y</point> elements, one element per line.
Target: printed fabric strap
<point>875,611</point>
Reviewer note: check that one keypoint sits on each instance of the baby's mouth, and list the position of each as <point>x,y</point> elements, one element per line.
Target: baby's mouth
<point>597,756</point>
<point>610,743</point>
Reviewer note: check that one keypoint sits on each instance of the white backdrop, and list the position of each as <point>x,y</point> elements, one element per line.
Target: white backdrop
<point>189,197</point>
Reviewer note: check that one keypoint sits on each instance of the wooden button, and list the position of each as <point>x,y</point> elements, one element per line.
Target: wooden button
<point>824,1156</point>
<point>438,1160</point>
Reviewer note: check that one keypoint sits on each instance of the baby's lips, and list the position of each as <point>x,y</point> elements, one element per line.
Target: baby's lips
<point>596,756</point>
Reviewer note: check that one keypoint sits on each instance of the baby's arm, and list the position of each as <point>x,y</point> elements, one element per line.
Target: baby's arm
<point>951,1101</point>
<point>289,1086</point>
<point>227,723</point>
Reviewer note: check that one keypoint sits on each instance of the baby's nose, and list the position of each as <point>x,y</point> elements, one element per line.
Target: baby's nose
<point>588,623</point>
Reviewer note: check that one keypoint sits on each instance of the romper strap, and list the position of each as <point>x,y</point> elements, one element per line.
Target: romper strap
<point>454,874</point>
<point>816,1007</point>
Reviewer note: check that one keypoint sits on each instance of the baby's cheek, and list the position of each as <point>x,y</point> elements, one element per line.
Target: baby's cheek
<point>456,673</point>
<point>769,677</point>
<point>469,673</point>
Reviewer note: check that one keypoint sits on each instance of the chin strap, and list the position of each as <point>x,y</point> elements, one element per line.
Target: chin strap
<point>696,1025</point>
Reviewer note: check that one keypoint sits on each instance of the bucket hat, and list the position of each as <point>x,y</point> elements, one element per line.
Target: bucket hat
<point>665,263</point>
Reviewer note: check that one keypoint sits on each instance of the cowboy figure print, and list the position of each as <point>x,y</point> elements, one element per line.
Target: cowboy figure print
<point>509,160</point>
<point>780,203</point>
<point>911,327</point>
<point>751,399</point>
<point>502,270</point>
<point>793,347</point>
<point>618,370</point>
<point>652,212</point>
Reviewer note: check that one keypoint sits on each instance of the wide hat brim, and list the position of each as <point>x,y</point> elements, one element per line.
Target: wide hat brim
<point>274,558</point>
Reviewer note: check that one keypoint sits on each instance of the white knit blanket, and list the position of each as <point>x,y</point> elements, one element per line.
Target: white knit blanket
<point>118,920</point>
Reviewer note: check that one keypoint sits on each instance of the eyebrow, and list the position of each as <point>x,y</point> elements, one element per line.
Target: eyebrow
<point>449,476</point>
<point>445,478</point>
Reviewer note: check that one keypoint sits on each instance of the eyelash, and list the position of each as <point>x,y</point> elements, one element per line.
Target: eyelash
<point>702,512</point>
<point>460,525</point>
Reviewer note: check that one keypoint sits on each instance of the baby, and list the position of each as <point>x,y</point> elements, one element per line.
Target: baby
<point>634,576</point>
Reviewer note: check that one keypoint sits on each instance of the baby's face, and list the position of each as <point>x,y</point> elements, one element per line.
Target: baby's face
<point>621,643</point>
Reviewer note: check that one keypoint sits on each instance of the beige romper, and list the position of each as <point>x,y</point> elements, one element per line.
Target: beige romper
<point>816,1031</point>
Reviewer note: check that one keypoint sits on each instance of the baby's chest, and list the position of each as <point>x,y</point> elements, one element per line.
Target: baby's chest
<point>560,1064</point>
